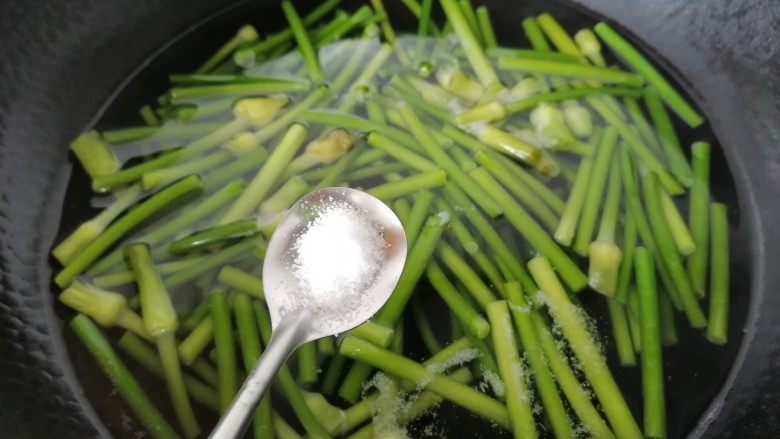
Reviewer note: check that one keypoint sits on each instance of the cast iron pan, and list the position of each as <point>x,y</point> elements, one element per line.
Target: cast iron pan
<point>61,59</point>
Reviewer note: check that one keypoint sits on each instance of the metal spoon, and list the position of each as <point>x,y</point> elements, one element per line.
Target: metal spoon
<point>313,291</point>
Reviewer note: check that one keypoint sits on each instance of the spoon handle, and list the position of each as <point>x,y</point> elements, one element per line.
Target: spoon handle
<point>286,337</point>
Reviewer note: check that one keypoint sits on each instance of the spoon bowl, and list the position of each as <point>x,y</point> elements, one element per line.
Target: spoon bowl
<point>331,264</point>
<point>337,254</point>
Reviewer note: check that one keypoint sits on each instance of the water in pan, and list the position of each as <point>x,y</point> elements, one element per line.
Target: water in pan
<point>694,368</point>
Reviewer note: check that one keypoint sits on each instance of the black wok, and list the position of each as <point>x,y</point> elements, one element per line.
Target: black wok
<point>60,61</point>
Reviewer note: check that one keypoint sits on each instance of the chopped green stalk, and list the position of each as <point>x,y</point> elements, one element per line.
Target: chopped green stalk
<point>534,34</point>
<point>403,367</point>
<point>512,371</point>
<point>197,341</point>
<point>506,52</point>
<point>304,44</point>
<point>646,132</point>
<point>225,345</point>
<point>560,39</point>
<point>195,317</point>
<point>486,27</point>
<point>400,152</point>
<point>215,260</point>
<point>466,275</point>
<point>663,237</point>
<point>590,46</point>
<point>621,332</point>
<point>425,26</point>
<point>330,381</point>
<point>282,429</point>
<point>682,237</point>
<point>148,116</point>
<point>603,254</point>
<point>409,94</point>
<point>95,155</point>
<point>578,71</point>
<point>284,36</point>
<point>639,63</point>
<point>505,256</point>
<point>575,328</point>
<point>291,390</point>
<point>532,231</point>
<point>419,255</point>
<point>402,208</point>
<point>470,318</point>
<point>387,28</point>
<point>417,214</point>
<point>640,148</point>
<point>307,363</point>
<point>284,197</point>
<point>471,18</point>
<point>668,137</point>
<point>245,34</point>
<point>263,181</point>
<point>382,170</point>
<point>117,372</point>
<point>593,195</point>
<point>550,125</point>
<point>271,85</point>
<point>408,185</point>
<point>440,157</point>
<point>537,187</point>
<point>166,345</point>
<point>416,262</point>
<point>482,113</point>
<point>637,211</point>
<point>140,351</point>
<point>668,327</point>
<point>161,322</point>
<point>330,416</point>
<point>652,361</point>
<point>633,321</point>
<point>158,313</point>
<point>626,265</point>
<point>698,216</point>
<point>326,346</point>
<point>575,393</point>
<point>376,333</point>
<point>460,84</point>
<point>159,177</point>
<point>458,228</point>
<point>213,236</point>
<point>545,383</point>
<point>479,62</point>
<point>133,173</point>
<point>242,281</point>
<point>242,144</point>
<point>423,326</point>
<point>107,308</point>
<point>509,145</point>
<point>89,230</point>
<point>717,331</point>
<point>362,16</point>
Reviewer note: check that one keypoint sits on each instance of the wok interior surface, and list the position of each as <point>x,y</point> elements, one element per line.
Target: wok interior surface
<point>696,370</point>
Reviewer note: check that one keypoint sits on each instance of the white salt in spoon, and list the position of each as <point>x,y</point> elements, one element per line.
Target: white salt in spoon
<point>331,264</point>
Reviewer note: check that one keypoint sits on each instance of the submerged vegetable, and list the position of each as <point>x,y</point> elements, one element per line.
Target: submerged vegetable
<point>512,170</point>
